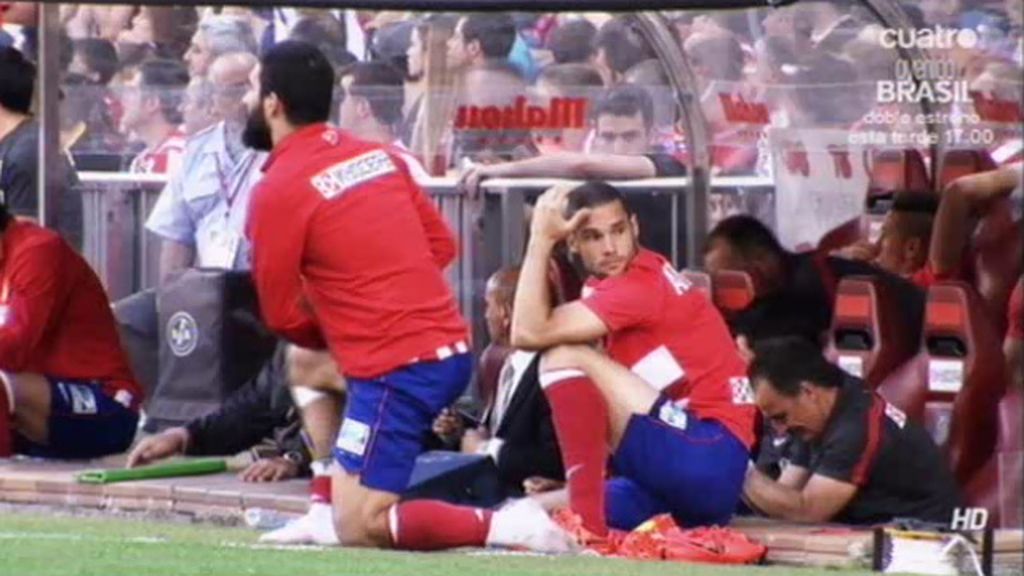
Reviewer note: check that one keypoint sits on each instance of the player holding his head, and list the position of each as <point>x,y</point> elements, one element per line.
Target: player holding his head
<point>667,397</point>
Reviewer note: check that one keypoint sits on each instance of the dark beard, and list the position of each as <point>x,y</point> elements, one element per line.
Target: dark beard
<point>256,134</point>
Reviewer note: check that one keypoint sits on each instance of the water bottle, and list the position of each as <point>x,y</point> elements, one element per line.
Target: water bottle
<point>265,519</point>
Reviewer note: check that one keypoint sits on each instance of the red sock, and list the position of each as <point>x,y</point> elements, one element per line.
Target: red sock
<point>320,490</point>
<point>425,525</point>
<point>580,415</point>
<point>6,447</point>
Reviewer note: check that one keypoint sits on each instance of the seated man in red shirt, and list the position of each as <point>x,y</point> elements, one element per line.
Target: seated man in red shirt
<point>67,390</point>
<point>924,239</point>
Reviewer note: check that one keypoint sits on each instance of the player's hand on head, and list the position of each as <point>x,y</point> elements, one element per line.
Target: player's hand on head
<point>157,447</point>
<point>270,470</point>
<point>549,220</point>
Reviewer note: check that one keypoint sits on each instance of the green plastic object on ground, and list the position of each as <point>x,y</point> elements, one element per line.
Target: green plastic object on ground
<point>170,470</point>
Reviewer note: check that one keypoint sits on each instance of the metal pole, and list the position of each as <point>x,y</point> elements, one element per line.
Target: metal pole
<point>49,112</point>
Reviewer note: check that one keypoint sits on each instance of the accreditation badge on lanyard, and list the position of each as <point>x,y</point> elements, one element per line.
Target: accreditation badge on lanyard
<point>223,242</point>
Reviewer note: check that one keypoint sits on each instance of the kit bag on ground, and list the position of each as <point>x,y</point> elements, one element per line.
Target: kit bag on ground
<point>211,342</point>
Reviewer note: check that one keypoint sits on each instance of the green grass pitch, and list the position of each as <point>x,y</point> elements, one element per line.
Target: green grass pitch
<point>39,545</point>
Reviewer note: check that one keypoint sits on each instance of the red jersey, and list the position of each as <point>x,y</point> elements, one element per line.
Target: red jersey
<point>671,336</point>
<point>55,318</point>
<point>348,253</point>
<point>165,158</point>
<point>1015,327</point>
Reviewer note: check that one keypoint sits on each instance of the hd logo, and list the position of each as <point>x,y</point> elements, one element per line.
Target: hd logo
<point>182,334</point>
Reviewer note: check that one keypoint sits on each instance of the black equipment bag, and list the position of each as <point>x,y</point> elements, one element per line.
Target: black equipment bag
<point>212,341</point>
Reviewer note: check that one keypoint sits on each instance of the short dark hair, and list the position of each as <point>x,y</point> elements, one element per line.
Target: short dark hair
<point>747,235</point>
<point>169,78</point>
<point>627,100</point>
<point>916,210</point>
<point>571,77</point>
<point>382,86</point>
<point>573,42</point>
<point>623,44</point>
<point>99,56</point>
<point>595,193</point>
<point>302,78</point>
<point>496,33</point>
<point>17,81</point>
<point>326,33</point>
<point>785,362</point>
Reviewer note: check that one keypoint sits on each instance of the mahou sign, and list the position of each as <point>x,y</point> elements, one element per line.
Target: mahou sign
<point>560,113</point>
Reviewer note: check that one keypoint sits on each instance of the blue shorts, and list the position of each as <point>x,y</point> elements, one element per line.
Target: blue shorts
<point>387,419</point>
<point>669,461</point>
<point>84,423</point>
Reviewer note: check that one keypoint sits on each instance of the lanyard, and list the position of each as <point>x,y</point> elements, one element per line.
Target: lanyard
<point>231,187</point>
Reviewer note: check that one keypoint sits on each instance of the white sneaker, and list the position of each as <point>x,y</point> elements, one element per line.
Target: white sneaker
<point>316,526</point>
<point>524,524</point>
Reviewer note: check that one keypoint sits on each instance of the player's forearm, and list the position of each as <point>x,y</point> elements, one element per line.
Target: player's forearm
<point>775,500</point>
<point>577,165</point>
<point>532,307</point>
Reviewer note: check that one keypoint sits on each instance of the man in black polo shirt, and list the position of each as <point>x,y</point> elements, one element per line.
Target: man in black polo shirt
<point>852,457</point>
<point>19,153</point>
<point>794,293</point>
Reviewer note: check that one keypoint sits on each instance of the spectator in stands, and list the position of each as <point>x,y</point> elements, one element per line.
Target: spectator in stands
<point>200,215</point>
<point>572,42</point>
<point>852,457</point>
<point>718,61</point>
<point>371,108</point>
<point>65,387</point>
<point>94,62</point>
<point>326,33</point>
<point>152,114</point>
<point>794,294</point>
<point>516,430</point>
<point>425,128</point>
<point>579,82</point>
<point>217,36</point>
<point>93,21</point>
<point>197,106</point>
<point>209,197</point>
<point>623,126</point>
<point>619,46</point>
<point>167,29</point>
<point>19,154</point>
<point>90,109</point>
<point>480,37</point>
<point>826,98</point>
<point>261,409</point>
<point>492,84</point>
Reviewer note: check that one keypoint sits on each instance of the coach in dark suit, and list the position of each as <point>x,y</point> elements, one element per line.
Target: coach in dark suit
<point>516,430</point>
